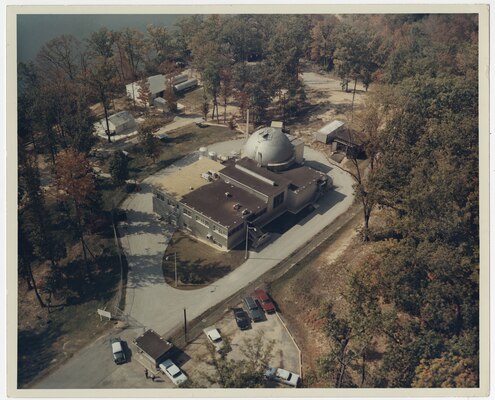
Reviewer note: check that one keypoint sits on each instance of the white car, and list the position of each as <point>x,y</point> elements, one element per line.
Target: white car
<point>282,376</point>
<point>215,339</point>
<point>173,372</point>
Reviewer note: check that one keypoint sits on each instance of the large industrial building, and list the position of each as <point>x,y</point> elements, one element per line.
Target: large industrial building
<point>223,203</point>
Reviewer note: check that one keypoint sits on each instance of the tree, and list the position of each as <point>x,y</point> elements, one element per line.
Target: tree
<point>144,93</point>
<point>34,214</point>
<point>205,106</point>
<point>322,44</point>
<point>149,142</point>
<point>76,186</point>
<point>60,58</point>
<point>170,97</point>
<point>119,168</point>
<point>26,257</point>
<point>246,373</point>
<point>101,79</point>
<point>447,371</point>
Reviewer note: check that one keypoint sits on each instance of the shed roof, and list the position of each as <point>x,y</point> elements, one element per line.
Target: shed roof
<point>153,344</point>
<point>157,83</point>
<point>331,127</point>
<point>121,118</point>
<point>179,183</point>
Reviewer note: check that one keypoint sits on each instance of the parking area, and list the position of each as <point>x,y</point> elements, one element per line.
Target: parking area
<point>284,354</point>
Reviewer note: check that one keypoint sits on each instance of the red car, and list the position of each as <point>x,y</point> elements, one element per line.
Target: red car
<point>265,302</point>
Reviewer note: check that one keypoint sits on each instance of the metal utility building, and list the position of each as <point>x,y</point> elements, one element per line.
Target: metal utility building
<point>328,132</point>
<point>121,122</point>
<point>341,138</point>
<point>218,202</point>
<point>157,85</point>
<point>153,347</point>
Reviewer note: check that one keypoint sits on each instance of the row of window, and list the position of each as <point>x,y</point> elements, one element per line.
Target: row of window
<point>199,219</point>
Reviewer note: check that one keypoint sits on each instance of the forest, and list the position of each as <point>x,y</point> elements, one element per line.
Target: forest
<point>419,292</point>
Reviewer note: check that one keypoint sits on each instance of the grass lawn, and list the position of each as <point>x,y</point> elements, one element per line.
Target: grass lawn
<point>197,263</point>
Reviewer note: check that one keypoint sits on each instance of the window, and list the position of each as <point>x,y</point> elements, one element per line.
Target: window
<point>187,212</point>
<point>202,221</point>
<point>219,230</point>
<point>278,200</point>
<point>160,196</point>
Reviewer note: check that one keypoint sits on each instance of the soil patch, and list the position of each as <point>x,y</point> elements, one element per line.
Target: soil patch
<point>324,278</point>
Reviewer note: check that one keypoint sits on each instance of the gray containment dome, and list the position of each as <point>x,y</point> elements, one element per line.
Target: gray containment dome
<point>269,147</point>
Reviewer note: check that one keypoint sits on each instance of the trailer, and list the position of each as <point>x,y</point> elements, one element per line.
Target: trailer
<point>187,85</point>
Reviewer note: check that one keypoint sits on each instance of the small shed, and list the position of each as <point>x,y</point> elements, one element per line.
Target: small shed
<point>160,103</point>
<point>121,122</point>
<point>328,132</point>
<point>153,347</point>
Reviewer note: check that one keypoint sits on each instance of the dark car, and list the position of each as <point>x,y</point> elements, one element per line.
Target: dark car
<point>265,302</point>
<point>253,310</point>
<point>241,319</point>
<point>118,351</point>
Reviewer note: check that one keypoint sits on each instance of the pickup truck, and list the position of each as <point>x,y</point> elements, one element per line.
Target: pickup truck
<point>282,376</point>
<point>215,339</point>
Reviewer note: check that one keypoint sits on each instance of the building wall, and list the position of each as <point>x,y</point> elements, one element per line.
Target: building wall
<point>304,196</point>
<point>189,220</point>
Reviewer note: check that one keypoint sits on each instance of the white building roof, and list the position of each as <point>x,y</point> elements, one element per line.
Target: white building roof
<point>331,127</point>
<point>121,118</point>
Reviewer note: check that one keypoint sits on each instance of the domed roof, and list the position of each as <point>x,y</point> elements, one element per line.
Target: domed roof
<point>269,146</point>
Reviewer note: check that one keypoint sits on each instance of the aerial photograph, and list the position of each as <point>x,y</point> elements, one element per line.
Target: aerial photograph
<point>248,200</point>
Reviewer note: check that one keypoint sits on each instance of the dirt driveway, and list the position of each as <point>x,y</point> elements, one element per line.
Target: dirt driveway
<point>284,355</point>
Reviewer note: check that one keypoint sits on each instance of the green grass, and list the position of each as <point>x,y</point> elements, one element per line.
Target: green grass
<point>197,263</point>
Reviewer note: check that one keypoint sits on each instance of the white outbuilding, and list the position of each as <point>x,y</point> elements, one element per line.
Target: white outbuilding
<point>121,122</point>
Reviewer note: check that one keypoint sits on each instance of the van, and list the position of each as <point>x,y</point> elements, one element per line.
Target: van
<point>253,310</point>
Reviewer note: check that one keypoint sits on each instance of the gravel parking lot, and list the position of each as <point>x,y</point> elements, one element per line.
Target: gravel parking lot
<point>284,354</point>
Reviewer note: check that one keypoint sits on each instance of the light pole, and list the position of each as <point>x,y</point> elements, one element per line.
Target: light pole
<point>247,239</point>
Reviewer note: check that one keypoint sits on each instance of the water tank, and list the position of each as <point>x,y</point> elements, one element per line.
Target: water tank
<point>212,155</point>
<point>203,151</point>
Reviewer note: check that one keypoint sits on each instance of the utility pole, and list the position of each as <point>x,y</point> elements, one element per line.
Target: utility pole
<point>175,264</point>
<point>185,326</point>
<point>247,123</point>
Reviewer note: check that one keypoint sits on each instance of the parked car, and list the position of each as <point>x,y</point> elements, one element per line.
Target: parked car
<point>282,376</point>
<point>215,339</point>
<point>241,319</point>
<point>253,310</point>
<point>265,302</point>
<point>117,351</point>
<point>173,372</point>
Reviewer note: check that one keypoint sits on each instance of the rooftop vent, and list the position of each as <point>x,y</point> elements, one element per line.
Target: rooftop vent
<point>236,206</point>
<point>227,194</point>
<point>246,212</point>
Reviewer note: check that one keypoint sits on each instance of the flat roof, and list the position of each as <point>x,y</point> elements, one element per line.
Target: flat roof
<point>254,176</point>
<point>211,201</point>
<point>178,183</point>
<point>302,175</point>
<point>153,344</point>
